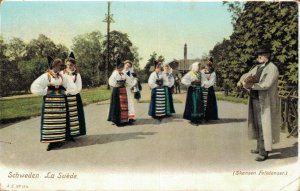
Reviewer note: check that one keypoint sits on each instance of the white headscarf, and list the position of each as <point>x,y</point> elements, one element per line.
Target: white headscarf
<point>195,66</point>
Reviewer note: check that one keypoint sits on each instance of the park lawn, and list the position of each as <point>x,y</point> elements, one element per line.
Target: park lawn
<point>23,108</point>
<point>231,98</point>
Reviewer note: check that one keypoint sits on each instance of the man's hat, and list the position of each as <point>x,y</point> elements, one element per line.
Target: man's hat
<point>50,61</point>
<point>119,63</point>
<point>263,49</point>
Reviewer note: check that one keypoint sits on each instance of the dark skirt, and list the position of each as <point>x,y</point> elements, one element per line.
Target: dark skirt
<point>211,112</point>
<point>194,106</point>
<point>159,104</point>
<point>170,92</point>
<point>55,118</point>
<point>76,114</point>
<point>118,110</point>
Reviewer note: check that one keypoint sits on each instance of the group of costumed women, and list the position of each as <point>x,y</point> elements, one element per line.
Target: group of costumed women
<point>62,112</point>
<point>201,104</point>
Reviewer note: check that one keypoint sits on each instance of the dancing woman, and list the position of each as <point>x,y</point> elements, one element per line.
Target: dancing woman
<point>75,106</point>
<point>159,104</point>
<point>168,72</point>
<point>55,120</point>
<point>194,106</point>
<point>121,83</point>
<point>209,96</point>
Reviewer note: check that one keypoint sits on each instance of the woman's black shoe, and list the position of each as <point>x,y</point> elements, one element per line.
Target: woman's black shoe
<point>72,139</point>
<point>51,146</point>
<point>193,123</point>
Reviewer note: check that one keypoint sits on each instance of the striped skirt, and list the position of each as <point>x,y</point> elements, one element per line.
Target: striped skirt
<point>205,94</point>
<point>123,105</point>
<point>73,115</point>
<point>54,126</point>
<point>160,102</point>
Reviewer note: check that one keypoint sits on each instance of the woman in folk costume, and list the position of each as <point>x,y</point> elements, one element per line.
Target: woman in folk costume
<point>137,88</point>
<point>159,104</point>
<point>121,83</point>
<point>194,106</point>
<point>75,106</point>
<point>209,96</point>
<point>128,70</point>
<point>55,120</point>
<point>168,72</point>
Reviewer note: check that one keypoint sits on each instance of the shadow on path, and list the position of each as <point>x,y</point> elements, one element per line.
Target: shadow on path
<point>226,120</point>
<point>89,140</point>
<point>151,121</point>
<point>286,152</point>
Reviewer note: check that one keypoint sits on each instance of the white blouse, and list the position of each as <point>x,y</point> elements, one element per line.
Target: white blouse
<point>187,79</point>
<point>171,79</point>
<point>40,85</point>
<point>155,76</point>
<point>115,76</point>
<point>210,79</point>
<point>78,82</point>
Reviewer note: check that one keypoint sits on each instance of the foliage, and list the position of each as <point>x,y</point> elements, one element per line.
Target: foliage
<point>21,63</point>
<point>88,50</point>
<point>149,67</point>
<point>260,22</point>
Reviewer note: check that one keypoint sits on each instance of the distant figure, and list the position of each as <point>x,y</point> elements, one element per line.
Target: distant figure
<point>226,89</point>
<point>137,87</point>
<point>121,83</point>
<point>177,84</point>
<point>263,111</point>
<point>209,96</point>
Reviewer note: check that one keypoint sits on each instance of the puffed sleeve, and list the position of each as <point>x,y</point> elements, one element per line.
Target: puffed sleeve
<point>112,81</point>
<point>39,86</point>
<point>129,81</point>
<point>135,82</point>
<point>166,80</point>
<point>78,83</point>
<point>69,84</point>
<point>186,79</point>
<point>171,80</point>
<point>152,81</point>
<point>211,81</point>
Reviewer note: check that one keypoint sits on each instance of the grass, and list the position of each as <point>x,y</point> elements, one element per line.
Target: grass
<point>26,107</point>
<point>231,98</point>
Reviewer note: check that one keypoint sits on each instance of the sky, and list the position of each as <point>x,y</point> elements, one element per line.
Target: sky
<point>162,27</point>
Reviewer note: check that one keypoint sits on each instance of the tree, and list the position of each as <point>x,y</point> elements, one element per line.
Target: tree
<point>30,70</point>
<point>259,22</point>
<point>41,47</point>
<point>88,50</point>
<point>149,67</point>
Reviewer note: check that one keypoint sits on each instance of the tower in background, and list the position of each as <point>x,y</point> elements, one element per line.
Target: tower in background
<point>185,56</point>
